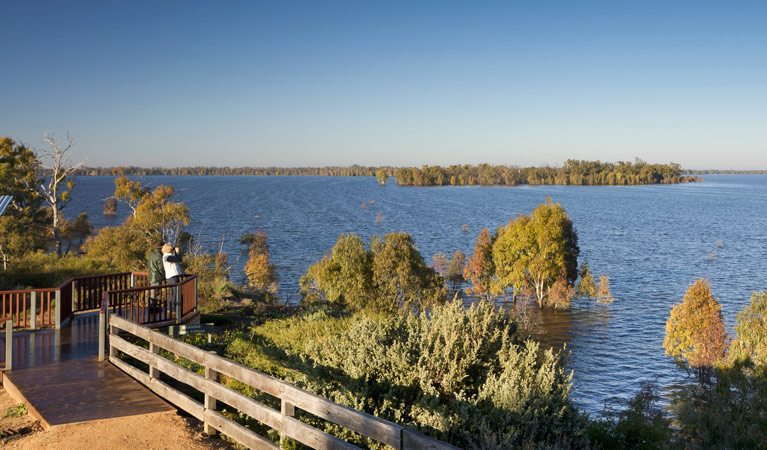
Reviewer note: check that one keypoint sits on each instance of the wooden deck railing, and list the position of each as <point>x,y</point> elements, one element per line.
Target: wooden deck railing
<point>35,308</point>
<point>29,308</point>
<point>291,397</point>
<point>154,304</point>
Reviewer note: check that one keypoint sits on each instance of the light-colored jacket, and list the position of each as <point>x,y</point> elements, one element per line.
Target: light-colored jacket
<point>171,264</point>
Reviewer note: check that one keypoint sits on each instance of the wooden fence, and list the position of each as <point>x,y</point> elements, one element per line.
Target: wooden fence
<point>290,396</point>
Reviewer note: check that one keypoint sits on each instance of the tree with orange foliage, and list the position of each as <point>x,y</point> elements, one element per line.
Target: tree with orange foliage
<point>479,270</point>
<point>695,333</point>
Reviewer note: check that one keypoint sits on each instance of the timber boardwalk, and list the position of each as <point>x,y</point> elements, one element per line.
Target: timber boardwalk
<point>58,375</point>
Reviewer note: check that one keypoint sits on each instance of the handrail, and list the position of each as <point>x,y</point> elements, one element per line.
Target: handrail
<point>34,308</point>
<point>291,397</point>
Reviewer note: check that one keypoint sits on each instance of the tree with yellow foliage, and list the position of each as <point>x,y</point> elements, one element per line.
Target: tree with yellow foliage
<point>259,270</point>
<point>695,333</point>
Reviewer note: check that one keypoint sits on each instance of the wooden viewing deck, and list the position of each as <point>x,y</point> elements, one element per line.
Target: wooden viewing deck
<point>75,372</point>
<point>58,375</point>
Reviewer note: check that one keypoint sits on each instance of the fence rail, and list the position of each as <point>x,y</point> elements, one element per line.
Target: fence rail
<point>291,397</point>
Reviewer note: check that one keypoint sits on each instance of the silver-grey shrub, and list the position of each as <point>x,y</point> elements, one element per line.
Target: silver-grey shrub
<point>458,374</point>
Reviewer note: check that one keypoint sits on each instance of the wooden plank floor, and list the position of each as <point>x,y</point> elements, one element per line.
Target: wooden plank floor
<point>58,375</point>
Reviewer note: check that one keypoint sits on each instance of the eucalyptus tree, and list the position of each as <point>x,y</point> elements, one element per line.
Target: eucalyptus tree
<point>60,180</point>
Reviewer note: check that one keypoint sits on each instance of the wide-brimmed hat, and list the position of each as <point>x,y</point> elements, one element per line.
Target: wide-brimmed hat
<point>157,245</point>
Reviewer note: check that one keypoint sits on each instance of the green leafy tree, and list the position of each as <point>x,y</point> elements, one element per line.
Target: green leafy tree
<point>155,217</point>
<point>400,275</point>
<point>76,231</point>
<point>23,224</point>
<point>382,176</point>
<point>344,278</point>
<point>586,287</point>
<point>750,343</point>
<point>535,252</point>
<point>160,217</point>
<point>389,275</point>
<point>695,333</point>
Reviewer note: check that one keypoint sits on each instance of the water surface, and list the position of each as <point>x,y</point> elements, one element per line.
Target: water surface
<point>653,242</point>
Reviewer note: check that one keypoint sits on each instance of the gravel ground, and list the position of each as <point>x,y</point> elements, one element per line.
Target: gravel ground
<point>168,430</point>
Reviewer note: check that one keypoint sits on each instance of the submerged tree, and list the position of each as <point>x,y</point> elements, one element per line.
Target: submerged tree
<point>389,275</point>
<point>536,253</point>
<point>382,176</point>
<point>750,343</point>
<point>603,294</point>
<point>479,269</point>
<point>454,271</point>
<point>259,270</point>
<point>586,287</point>
<point>695,331</point>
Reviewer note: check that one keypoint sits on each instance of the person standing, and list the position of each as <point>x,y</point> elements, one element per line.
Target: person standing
<point>156,270</point>
<point>171,259</point>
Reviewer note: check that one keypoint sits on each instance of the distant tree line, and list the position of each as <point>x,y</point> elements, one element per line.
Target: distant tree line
<point>330,171</point>
<point>573,172</point>
<point>726,172</point>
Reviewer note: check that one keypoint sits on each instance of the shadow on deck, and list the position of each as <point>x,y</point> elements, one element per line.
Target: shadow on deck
<point>58,375</point>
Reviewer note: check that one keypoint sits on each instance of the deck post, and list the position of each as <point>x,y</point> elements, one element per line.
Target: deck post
<point>179,304</point>
<point>33,311</point>
<point>58,308</point>
<point>210,401</point>
<point>195,293</point>
<point>102,333</point>
<point>8,345</point>
<point>288,410</point>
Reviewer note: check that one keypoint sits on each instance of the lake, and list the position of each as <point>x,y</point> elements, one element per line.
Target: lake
<point>653,242</point>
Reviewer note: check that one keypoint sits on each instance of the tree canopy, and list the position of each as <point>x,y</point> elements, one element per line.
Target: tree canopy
<point>535,254</point>
<point>695,333</point>
<point>391,273</point>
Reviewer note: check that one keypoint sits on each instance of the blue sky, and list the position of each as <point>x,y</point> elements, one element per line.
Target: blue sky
<point>288,83</point>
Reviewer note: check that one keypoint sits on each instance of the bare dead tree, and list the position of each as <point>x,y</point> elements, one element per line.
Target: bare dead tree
<point>59,179</point>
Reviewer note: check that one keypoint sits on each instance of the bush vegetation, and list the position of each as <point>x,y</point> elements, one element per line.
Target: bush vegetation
<point>459,374</point>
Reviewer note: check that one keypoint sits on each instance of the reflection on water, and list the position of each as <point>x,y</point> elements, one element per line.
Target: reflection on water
<point>653,242</point>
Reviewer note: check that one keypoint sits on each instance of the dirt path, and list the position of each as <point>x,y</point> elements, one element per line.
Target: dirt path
<point>168,431</point>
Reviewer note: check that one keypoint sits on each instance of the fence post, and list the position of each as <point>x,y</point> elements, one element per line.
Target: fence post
<point>58,308</point>
<point>33,311</point>
<point>179,305</point>
<point>288,410</point>
<point>210,401</point>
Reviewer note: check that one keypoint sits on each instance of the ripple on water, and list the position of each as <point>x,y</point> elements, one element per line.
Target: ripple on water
<point>653,241</point>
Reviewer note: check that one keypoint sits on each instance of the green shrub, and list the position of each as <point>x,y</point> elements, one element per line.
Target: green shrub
<point>460,375</point>
<point>642,424</point>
